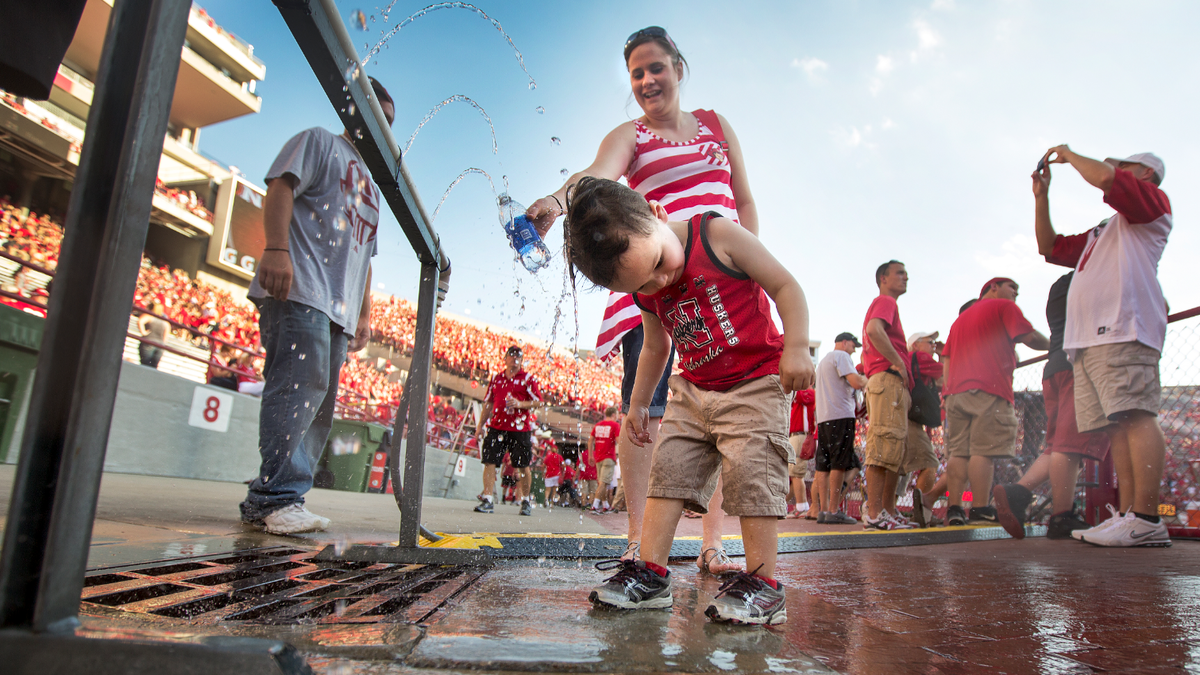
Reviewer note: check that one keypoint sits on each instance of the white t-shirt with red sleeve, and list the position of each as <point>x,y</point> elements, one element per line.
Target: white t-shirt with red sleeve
<point>1115,295</point>
<point>980,348</point>
<point>523,387</point>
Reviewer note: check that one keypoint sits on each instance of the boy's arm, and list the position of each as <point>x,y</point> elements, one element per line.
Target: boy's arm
<point>656,348</point>
<point>742,251</point>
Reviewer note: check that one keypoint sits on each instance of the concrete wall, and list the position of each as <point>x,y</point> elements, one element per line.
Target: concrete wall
<point>151,435</point>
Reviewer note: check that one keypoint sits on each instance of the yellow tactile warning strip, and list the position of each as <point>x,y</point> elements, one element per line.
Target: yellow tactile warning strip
<point>589,545</point>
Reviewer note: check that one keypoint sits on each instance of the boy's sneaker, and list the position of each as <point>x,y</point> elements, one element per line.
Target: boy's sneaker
<point>634,586</point>
<point>485,506</point>
<point>955,516</point>
<point>839,518</point>
<point>294,519</point>
<point>883,522</point>
<point>983,514</point>
<point>1114,517</point>
<point>1132,531</point>
<point>901,520</point>
<point>1061,525</point>
<point>1012,503</point>
<point>526,508</point>
<point>748,599</point>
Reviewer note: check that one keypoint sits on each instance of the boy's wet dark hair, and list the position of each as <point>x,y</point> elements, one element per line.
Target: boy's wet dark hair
<point>602,215</point>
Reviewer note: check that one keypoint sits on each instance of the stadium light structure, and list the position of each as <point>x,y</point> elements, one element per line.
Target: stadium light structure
<point>57,481</point>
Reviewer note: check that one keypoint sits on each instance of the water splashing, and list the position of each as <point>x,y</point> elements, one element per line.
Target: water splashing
<point>456,182</point>
<point>437,108</point>
<point>564,173</point>
<point>433,8</point>
<point>555,140</point>
<point>540,110</point>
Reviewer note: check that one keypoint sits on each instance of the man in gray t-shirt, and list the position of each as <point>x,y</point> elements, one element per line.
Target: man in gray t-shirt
<point>837,378</point>
<point>312,289</point>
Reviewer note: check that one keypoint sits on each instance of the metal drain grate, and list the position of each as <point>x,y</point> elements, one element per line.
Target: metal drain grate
<point>279,586</point>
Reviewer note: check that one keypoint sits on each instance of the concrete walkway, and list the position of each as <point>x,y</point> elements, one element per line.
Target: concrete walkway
<point>1031,606</point>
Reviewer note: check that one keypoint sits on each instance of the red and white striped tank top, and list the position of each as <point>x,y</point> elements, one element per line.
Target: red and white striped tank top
<point>688,179</point>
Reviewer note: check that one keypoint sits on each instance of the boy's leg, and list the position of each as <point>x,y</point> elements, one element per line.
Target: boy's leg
<point>658,528</point>
<point>1039,472</point>
<point>635,476</point>
<point>1064,474</point>
<point>760,538</point>
<point>713,523</point>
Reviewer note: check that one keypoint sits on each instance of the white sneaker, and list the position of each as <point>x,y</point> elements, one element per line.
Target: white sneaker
<point>1132,531</point>
<point>1115,516</point>
<point>904,523</point>
<point>294,519</point>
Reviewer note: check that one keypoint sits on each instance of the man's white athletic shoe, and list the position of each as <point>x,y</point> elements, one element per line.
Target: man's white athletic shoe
<point>1132,531</point>
<point>1115,516</point>
<point>294,519</point>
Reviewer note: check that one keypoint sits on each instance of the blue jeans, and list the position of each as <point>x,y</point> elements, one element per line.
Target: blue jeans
<point>305,352</point>
<point>631,350</point>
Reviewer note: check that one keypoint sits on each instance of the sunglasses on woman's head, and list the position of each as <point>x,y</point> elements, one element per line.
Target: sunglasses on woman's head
<point>650,32</point>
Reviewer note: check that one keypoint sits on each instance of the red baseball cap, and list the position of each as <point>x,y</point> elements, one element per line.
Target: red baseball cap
<point>994,280</point>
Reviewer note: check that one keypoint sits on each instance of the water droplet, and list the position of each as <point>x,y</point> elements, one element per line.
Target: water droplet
<point>541,560</point>
<point>340,544</point>
<point>306,404</point>
<point>540,110</point>
<point>296,386</point>
<point>302,356</point>
<point>351,108</point>
<point>339,607</point>
<point>358,19</point>
<point>325,208</point>
<point>358,133</point>
<point>341,222</point>
<point>293,345</point>
<point>581,543</point>
<point>555,140</point>
<point>532,85</point>
<point>564,173</point>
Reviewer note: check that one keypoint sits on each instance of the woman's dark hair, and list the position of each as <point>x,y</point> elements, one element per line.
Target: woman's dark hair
<point>658,36</point>
<point>602,215</point>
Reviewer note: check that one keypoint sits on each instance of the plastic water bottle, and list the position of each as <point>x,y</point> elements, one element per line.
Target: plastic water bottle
<point>522,234</point>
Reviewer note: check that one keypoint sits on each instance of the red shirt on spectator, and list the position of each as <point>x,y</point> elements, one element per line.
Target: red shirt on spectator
<point>884,308</point>
<point>927,367</point>
<point>568,473</point>
<point>804,412</point>
<point>523,387</point>
<point>980,348</point>
<point>554,464</point>
<point>589,470</point>
<point>605,434</point>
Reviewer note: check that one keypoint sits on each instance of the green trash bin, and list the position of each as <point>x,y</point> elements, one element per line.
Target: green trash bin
<point>20,340</point>
<point>348,453</point>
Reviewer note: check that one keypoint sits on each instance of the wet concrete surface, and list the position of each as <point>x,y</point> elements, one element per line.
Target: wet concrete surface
<point>1031,606</point>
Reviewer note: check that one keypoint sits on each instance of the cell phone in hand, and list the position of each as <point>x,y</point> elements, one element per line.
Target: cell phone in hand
<point>1041,164</point>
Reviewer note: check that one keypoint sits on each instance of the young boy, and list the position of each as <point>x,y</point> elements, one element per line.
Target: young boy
<point>704,284</point>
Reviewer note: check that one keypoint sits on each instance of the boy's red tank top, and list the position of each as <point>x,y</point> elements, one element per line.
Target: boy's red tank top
<point>719,319</point>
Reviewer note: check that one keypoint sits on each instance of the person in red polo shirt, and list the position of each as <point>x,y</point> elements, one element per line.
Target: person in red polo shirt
<point>506,405</point>
<point>981,425</point>
<point>602,450</point>
<point>885,363</point>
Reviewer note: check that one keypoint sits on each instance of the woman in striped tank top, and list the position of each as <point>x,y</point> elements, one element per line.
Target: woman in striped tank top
<point>690,163</point>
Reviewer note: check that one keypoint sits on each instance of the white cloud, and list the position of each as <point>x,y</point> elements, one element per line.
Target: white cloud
<point>884,64</point>
<point>876,86</point>
<point>853,137</point>
<point>944,5</point>
<point>813,67</point>
<point>927,37</point>
<point>888,123</point>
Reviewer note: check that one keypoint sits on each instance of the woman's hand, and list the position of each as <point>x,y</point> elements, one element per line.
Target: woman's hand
<point>543,213</point>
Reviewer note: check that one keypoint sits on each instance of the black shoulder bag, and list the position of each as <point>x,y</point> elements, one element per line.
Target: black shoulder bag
<point>926,399</point>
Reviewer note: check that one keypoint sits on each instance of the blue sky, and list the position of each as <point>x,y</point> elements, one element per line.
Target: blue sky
<point>871,130</point>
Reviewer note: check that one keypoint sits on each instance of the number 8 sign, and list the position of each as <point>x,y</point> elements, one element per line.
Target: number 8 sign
<point>211,409</point>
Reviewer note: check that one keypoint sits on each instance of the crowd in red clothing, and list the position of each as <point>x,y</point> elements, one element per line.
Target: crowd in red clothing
<point>29,236</point>
<point>186,199</point>
<point>477,353</point>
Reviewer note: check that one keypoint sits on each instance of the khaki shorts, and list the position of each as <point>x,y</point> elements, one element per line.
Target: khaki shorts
<point>604,471</point>
<point>739,435</point>
<point>918,450</point>
<point>888,401</point>
<point>589,488</point>
<point>1112,379</point>
<point>798,468</point>
<point>979,424</point>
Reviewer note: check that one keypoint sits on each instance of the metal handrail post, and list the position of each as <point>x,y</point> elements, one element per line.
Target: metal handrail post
<point>417,390</point>
<point>70,411</point>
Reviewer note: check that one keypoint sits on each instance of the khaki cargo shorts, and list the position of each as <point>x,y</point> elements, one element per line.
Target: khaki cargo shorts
<point>604,471</point>
<point>1112,379</point>
<point>799,467</point>
<point>739,435</point>
<point>979,424</point>
<point>918,450</point>
<point>888,401</point>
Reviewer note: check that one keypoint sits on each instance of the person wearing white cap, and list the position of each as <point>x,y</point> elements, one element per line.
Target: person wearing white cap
<point>1116,326</point>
